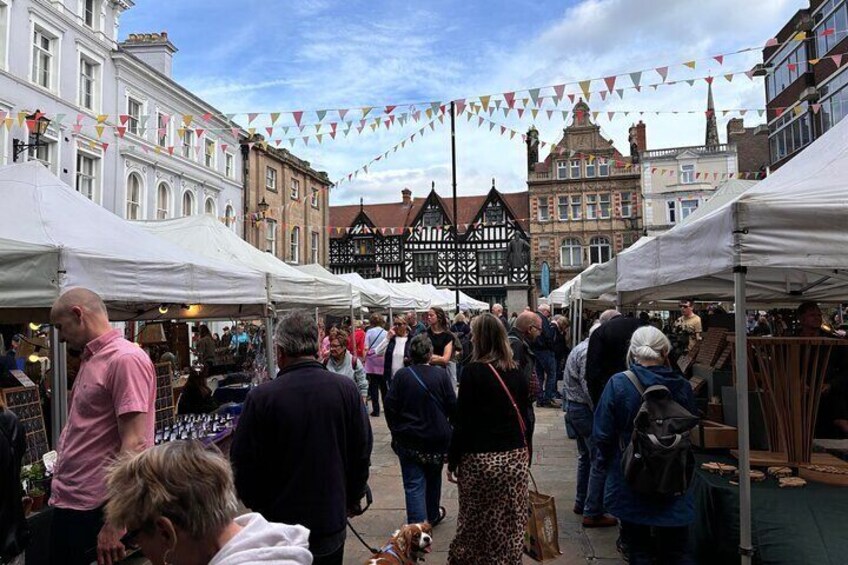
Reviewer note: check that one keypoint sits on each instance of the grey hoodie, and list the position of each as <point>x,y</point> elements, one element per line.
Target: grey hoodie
<point>261,541</point>
<point>351,368</point>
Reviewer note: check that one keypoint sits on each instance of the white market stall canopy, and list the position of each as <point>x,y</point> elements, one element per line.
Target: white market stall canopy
<point>133,271</point>
<point>415,288</point>
<point>788,231</point>
<point>320,273</point>
<point>371,295</point>
<point>448,296</point>
<point>468,303</point>
<point>401,299</point>
<point>207,236</point>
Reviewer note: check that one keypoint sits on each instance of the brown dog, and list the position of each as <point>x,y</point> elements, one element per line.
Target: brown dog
<point>407,546</point>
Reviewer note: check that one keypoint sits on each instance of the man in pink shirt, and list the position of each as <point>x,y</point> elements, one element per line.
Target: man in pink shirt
<point>111,410</point>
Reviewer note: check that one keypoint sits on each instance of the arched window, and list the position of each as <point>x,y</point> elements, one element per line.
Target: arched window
<point>571,253</point>
<point>188,203</point>
<point>229,216</point>
<point>295,245</point>
<point>210,207</point>
<point>134,197</point>
<point>600,250</point>
<point>163,201</point>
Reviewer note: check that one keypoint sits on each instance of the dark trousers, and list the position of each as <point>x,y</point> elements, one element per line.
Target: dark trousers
<point>546,373</point>
<point>335,558</point>
<point>590,478</point>
<point>377,387</point>
<point>422,485</point>
<point>73,536</point>
<point>648,545</point>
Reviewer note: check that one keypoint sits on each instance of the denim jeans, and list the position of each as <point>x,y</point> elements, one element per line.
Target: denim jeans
<point>647,545</point>
<point>546,373</point>
<point>422,485</point>
<point>377,387</point>
<point>590,478</point>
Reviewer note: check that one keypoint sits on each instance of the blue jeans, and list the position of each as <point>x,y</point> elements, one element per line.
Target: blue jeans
<point>546,373</point>
<point>422,485</point>
<point>647,545</point>
<point>590,478</point>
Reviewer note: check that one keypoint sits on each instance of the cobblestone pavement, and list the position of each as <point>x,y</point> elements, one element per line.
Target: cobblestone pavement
<point>555,470</point>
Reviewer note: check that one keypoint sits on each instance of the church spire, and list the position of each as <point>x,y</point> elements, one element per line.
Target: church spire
<point>712,126</point>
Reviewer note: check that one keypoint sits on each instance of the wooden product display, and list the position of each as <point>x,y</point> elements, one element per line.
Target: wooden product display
<point>714,435</point>
<point>789,373</point>
<point>25,402</point>
<point>164,396</point>
<point>827,474</point>
<point>713,345</point>
<point>778,459</point>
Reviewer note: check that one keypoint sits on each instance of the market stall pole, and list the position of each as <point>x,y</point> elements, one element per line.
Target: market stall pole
<point>270,357</point>
<point>746,549</point>
<point>59,403</point>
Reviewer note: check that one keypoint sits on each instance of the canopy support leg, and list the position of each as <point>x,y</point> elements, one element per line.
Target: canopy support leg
<point>59,405</point>
<point>745,545</point>
<point>271,359</point>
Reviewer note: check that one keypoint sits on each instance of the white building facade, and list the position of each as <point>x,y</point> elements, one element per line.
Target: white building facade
<point>120,131</point>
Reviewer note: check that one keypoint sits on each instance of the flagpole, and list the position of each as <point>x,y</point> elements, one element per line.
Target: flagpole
<point>455,218</point>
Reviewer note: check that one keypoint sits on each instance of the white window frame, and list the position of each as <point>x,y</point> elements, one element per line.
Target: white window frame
<point>599,243</point>
<point>193,201</point>
<point>95,14</point>
<point>52,147</point>
<point>5,18</point>
<point>133,124</point>
<point>209,158</point>
<point>592,207</point>
<point>604,206</point>
<point>206,202</point>
<point>229,165</point>
<point>576,207</point>
<point>314,198</point>
<point>230,216</point>
<point>627,205</point>
<point>271,236</point>
<point>164,213</point>
<point>687,174</point>
<point>270,178</point>
<point>85,58</point>
<point>294,245</point>
<point>603,168</point>
<point>562,203</point>
<point>591,169</point>
<point>562,170</point>
<point>316,247</point>
<point>55,37</point>
<point>575,169</point>
<point>187,148</point>
<point>163,141</point>
<point>139,204</point>
<point>671,211</point>
<point>96,175</point>
<point>686,208</point>
<point>567,250</point>
<point>542,204</point>
<point>294,191</point>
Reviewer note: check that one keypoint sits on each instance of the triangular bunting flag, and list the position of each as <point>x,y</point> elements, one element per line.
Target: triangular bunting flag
<point>298,115</point>
<point>584,86</point>
<point>121,130</point>
<point>610,82</point>
<point>510,99</point>
<point>663,72</point>
<point>559,91</point>
<point>534,95</point>
<point>729,78</point>
<point>690,64</point>
<point>342,114</point>
<point>250,117</point>
<point>816,108</point>
<point>484,100</point>
<point>320,114</point>
<point>720,59</point>
<point>274,117</point>
<point>99,130</point>
<point>837,59</point>
<point>636,78</point>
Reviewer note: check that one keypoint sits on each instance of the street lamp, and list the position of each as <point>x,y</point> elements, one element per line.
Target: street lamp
<point>37,124</point>
<point>263,207</point>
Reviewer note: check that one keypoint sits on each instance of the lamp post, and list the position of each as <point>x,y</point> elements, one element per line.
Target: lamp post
<point>263,210</point>
<point>37,124</point>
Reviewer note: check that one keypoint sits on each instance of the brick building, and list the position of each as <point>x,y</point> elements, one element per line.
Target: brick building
<point>296,196</point>
<point>585,201</point>
<point>805,77</point>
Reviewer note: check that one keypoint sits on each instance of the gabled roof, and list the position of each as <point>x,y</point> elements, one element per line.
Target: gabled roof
<point>398,214</point>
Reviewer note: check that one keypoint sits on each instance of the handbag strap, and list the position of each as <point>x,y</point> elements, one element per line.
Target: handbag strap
<point>429,393</point>
<point>514,405</point>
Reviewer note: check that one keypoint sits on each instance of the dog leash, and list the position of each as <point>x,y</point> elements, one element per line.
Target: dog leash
<point>369,498</point>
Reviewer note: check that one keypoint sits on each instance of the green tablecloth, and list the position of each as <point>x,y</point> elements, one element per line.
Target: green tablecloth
<point>806,525</point>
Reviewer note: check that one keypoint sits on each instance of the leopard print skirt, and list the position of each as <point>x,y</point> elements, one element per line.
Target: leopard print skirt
<point>493,499</point>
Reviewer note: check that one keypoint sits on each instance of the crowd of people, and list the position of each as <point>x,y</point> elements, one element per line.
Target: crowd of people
<point>458,398</point>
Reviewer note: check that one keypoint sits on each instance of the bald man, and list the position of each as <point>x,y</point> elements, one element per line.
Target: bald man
<point>111,410</point>
<point>526,328</point>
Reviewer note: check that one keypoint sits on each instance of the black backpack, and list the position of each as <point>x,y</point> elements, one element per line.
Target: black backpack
<point>658,461</point>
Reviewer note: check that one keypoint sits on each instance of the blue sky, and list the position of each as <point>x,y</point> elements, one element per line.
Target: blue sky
<point>270,55</point>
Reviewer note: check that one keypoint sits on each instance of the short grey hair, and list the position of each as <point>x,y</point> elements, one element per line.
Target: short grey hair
<point>648,344</point>
<point>420,349</point>
<point>296,334</point>
<point>544,308</point>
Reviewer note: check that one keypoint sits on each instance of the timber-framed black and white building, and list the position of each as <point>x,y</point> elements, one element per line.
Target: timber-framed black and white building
<point>413,240</point>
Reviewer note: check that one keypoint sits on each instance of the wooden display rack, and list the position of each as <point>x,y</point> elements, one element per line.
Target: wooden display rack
<point>779,459</point>
<point>164,395</point>
<point>25,402</point>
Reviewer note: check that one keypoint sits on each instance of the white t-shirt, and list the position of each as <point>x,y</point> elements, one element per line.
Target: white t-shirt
<point>397,354</point>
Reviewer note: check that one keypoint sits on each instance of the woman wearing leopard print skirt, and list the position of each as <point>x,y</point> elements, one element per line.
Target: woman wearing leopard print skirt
<point>488,455</point>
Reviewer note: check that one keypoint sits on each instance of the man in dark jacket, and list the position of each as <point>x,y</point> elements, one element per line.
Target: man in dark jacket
<point>302,448</point>
<point>527,326</point>
<point>607,353</point>
<point>14,530</point>
<point>543,347</point>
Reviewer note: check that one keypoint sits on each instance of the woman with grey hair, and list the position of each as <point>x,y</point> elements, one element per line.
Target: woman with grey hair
<point>653,528</point>
<point>192,522</point>
<point>419,406</point>
<point>341,362</point>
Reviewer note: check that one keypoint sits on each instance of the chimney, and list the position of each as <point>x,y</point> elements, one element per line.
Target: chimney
<point>532,142</point>
<point>638,141</point>
<point>734,127</point>
<point>154,49</point>
<point>407,197</point>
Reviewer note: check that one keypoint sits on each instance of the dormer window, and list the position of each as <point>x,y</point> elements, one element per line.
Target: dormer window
<point>431,218</point>
<point>494,214</point>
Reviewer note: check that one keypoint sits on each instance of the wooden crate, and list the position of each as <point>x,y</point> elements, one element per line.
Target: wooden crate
<point>714,435</point>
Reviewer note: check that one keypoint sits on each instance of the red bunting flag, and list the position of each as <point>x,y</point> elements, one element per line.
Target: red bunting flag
<point>270,131</point>
<point>298,115</point>
<point>837,59</point>
<point>559,90</point>
<point>610,82</point>
<point>389,109</point>
<point>121,130</point>
<point>199,132</point>
<point>709,80</point>
<point>342,114</point>
<point>663,72</point>
<point>720,59</point>
<point>828,31</point>
<point>207,116</point>
<point>251,117</point>
<point>224,146</point>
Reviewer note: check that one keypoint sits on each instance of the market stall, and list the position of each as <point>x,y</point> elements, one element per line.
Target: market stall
<point>425,292</point>
<point>399,299</point>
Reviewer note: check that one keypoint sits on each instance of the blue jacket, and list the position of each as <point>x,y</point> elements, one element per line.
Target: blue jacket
<point>613,427</point>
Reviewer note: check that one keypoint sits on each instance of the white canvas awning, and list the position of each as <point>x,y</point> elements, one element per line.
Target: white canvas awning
<point>47,224</point>
<point>319,272</point>
<point>371,295</point>
<point>402,299</point>
<point>207,236</point>
<point>468,303</point>
<point>415,288</point>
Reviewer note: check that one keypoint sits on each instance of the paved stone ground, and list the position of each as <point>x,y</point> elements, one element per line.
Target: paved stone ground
<point>555,470</point>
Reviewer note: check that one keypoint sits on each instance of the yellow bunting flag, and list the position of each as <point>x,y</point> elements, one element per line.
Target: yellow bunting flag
<point>799,110</point>
<point>101,119</point>
<point>584,86</point>
<point>800,36</point>
<point>187,118</point>
<point>484,100</point>
<point>21,118</point>
<point>365,110</point>
<point>99,130</point>
<point>535,112</point>
<point>690,64</point>
<point>274,117</point>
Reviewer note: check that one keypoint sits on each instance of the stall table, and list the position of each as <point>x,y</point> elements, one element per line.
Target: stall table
<point>790,525</point>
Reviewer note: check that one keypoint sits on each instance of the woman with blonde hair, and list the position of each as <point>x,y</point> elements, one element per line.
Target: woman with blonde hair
<point>178,504</point>
<point>489,453</point>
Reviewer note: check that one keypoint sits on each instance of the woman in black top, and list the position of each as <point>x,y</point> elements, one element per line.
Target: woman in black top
<point>418,408</point>
<point>442,339</point>
<point>488,455</point>
<point>14,530</point>
<point>196,397</point>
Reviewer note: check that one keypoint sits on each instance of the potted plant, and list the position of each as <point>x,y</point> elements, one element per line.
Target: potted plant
<point>37,496</point>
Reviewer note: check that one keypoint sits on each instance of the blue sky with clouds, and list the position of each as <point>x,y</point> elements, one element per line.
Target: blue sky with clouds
<point>267,55</point>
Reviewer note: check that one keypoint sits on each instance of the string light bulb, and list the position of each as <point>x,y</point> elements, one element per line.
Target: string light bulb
<point>34,327</point>
<point>163,309</point>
